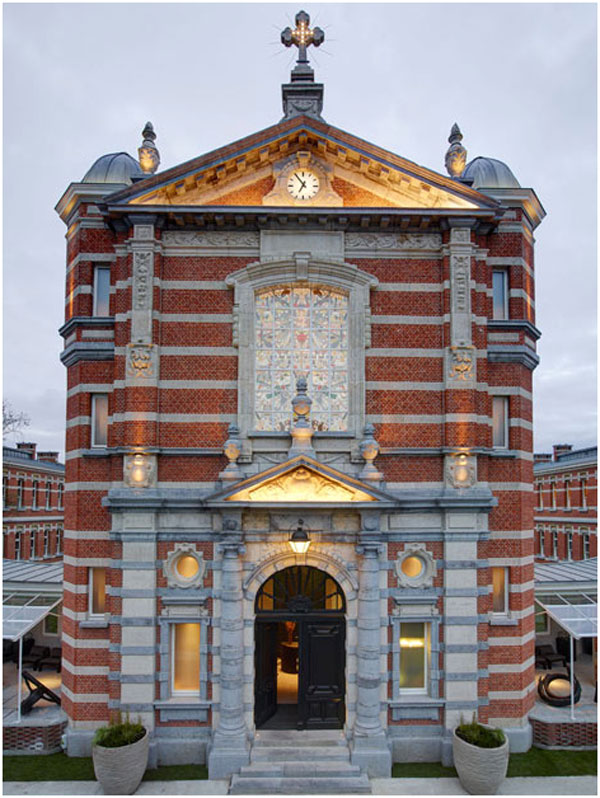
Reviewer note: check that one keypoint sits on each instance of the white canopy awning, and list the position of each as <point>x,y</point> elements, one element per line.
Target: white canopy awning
<point>21,612</point>
<point>576,613</point>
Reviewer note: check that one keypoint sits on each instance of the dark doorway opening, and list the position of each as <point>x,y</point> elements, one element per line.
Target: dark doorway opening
<point>300,651</point>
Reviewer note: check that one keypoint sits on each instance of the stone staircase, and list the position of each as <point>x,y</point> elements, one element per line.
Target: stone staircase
<point>299,763</point>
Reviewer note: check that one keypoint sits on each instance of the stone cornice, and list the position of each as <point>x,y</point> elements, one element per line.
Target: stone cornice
<point>515,324</point>
<point>85,321</point>
<point>501,353</point>
<point>87,350</point>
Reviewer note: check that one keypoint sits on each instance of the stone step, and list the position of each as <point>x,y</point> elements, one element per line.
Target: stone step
<point>352,785</point>
<point>299,738</point>
<point>300,769</point>
<point>289,753</point>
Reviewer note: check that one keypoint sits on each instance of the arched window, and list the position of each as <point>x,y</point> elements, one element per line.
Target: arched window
<point>300,588</point>
<point>301,331</point>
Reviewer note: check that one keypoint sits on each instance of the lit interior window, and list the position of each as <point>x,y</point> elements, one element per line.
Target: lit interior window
<point>187,566</point>
<point>500,421</point>
<point>98,590</point>
<point>186,657</point>
<point>414,654</point>
<point>99,419</point>
<point>412,567</point>
<point>499,590</point>
<point>500,295</point>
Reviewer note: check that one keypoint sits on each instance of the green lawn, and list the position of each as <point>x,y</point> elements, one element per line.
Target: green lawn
<point>60,767</point>
<point>536,762</point>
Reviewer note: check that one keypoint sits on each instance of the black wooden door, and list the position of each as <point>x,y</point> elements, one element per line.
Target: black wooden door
<point>265,669</point>
<point>322,688</point>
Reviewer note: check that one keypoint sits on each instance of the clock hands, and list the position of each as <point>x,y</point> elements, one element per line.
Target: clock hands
<point>302,183</point>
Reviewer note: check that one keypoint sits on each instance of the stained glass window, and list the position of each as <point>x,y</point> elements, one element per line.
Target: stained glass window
<point>301,332</point>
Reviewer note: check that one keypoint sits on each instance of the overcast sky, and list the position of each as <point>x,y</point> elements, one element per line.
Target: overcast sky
<point>80,80</point>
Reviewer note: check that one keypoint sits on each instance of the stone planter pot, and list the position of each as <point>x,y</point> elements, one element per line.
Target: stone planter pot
<point>120,770</point>
<point>480,770</point>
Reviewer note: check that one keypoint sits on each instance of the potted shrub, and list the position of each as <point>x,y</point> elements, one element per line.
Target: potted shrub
<point>120,755</point>
<point>480,757</point>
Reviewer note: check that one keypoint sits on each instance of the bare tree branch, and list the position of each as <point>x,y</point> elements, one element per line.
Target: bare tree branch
<point>12,420</point>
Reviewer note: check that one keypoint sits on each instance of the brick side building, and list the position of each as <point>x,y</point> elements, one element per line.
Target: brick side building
<point>566,506</point>
<point>299,263</point>
<point>32,498</point>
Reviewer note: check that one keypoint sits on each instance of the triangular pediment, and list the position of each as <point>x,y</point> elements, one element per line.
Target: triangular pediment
<point>301,480</point>
<point>352,172</point>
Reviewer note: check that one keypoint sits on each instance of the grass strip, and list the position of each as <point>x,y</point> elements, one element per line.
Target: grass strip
<point>535,762</point>
<point>60,767</point>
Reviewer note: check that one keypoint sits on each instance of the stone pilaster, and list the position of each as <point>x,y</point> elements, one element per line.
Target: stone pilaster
<point>369,744</point>
<point>230,750</point>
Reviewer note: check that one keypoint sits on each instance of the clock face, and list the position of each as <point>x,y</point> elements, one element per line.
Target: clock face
<point>303,184</point>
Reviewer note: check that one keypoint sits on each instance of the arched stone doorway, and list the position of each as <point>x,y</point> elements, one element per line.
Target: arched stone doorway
<point>300,658</point>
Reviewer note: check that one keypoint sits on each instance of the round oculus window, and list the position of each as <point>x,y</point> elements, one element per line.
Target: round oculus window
<point>187,566</point>
<point>413,567</point>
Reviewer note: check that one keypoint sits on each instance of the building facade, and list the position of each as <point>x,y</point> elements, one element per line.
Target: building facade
<point>33,486</point>
<point>566,507</point>
<point>299,338</point>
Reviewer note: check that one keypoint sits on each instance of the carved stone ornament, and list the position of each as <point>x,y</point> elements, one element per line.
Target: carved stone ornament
<point>301,485</point>
<point>232,449</point>
<point>326,196</point>
<point>184,566</point>
<point>415,566</point>
<point>460,235</point>
<point>456,155</point>
<point>461,366</point>
<point>217,239</point>
<point>369,449</point>
<point>139,470</point>
<point>461,470</point>
<point>142,280</point>
<point>141,360</point>
<point>143,232</point>
<point>391,241</point>
<point>461,269</point>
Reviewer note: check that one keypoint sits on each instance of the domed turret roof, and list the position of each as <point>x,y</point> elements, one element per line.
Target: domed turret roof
<point>116,167</point>
<point>490,173</point>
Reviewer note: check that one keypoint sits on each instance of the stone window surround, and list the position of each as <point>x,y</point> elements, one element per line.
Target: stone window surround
<point>301,269</point>
<point>411,703</point>
<point>181,706</point>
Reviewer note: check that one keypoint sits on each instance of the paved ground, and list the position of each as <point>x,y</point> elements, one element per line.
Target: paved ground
<point>568,785</point>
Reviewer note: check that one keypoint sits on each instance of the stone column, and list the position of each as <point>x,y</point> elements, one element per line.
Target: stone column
<point>369,746</point>
<point>230,744</point>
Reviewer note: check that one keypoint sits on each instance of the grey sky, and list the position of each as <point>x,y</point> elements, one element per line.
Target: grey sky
<point>80,80</point>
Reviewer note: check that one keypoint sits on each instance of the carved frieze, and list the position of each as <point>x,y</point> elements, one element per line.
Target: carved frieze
<point>216,239</point>
<point>301,485</point>
<point>460,235</point>
<point>391,241</point>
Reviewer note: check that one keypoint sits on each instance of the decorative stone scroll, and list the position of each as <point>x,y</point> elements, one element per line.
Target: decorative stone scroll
<point>391,241</point>
<point>216,239</point>
<point>139,470</point>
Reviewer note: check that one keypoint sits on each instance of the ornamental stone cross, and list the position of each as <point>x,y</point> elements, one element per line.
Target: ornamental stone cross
<point>302,36</point>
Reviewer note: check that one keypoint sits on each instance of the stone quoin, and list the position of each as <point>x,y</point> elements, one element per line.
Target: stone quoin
<point>299,338</point>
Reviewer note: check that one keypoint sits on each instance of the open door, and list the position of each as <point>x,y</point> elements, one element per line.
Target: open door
<point>265,668</point>
<point>322,686</point>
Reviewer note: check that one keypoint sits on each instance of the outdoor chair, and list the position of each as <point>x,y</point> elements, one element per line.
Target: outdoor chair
<point>52,659</point>
<point>546,656</point>
<point>35,654</point>
<point>37,691</point>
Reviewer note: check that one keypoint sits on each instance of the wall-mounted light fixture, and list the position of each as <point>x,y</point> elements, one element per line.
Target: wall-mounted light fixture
<point>299,539</point>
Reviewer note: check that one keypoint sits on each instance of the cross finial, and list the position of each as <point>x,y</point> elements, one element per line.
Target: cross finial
<point>302,36</point>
